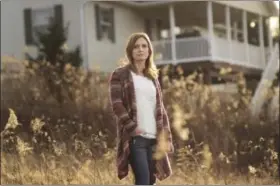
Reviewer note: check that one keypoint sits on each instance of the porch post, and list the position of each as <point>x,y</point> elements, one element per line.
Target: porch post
<point>153,27</point>
<point>210,28</point>
<point>235,31</point>
<point>245,35</point>
<point>172,32</point>
<point>228,25</point>
<point>261,39</point>
<point>269,34</point>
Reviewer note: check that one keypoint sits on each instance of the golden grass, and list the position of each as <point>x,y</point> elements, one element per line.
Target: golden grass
<point>26,167</point>
<point>83,151</point>
<point>68,170</point>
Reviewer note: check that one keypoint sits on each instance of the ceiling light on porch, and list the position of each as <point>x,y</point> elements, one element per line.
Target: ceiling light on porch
<point>252,24</point>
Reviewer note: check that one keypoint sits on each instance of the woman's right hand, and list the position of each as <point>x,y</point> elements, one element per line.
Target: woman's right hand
<point>137,132</point>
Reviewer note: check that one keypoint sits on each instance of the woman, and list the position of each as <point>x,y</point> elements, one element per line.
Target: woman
<point>136,100</point>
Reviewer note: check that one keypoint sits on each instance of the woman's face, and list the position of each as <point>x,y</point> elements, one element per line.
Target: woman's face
<point>140,51</point>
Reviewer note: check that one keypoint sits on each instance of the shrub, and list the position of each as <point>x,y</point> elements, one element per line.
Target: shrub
<point>212,131</point>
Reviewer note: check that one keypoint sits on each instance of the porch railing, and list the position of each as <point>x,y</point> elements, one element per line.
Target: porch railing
<point>187,49</point>
<point>198,49</point>
<point>255,57</point>
<point>162,51</point>
<point>235,52</point>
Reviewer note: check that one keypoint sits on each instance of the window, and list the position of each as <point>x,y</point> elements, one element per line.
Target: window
<point>40,20</point>
<point>105,26</point>
<point>37,20</point>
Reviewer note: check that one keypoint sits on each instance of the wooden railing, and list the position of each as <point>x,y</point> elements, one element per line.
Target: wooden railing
<point>187,49</point>
<point>198,49</point>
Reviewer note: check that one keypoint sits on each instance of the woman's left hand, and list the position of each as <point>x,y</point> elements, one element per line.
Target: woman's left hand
<point>171,148</point>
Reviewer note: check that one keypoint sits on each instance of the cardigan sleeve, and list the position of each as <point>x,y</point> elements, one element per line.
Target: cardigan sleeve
<point>166,127</point>
<point>116,101</point>
<point>166,124</point>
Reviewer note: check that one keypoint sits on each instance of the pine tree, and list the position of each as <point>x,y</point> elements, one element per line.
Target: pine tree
<point>51,47</point>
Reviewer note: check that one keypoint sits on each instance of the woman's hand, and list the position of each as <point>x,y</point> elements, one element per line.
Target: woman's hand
<point>170,148</point>
<point>137,132</point>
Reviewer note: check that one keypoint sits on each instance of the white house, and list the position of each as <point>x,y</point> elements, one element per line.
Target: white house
<point>189,33</point>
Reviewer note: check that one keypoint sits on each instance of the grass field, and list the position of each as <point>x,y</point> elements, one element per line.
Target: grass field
<point>59,131</point>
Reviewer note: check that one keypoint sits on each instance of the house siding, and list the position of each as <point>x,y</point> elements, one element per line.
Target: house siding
<point>12,30</point>
<point>103,53</point>
<point>96,53</point>
<point>13,44</point>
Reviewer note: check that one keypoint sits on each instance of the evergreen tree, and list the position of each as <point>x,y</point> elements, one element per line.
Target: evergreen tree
<point>51,45</point>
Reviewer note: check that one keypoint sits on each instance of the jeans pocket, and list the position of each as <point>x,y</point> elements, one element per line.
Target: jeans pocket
<point>138,142</point>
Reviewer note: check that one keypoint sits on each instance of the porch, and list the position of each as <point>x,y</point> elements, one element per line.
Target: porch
<point>196,31</point>
<point>196,49</point>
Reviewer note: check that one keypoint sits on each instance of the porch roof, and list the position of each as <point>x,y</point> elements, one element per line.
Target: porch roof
<point>191,13</point>
<point>269,6</point>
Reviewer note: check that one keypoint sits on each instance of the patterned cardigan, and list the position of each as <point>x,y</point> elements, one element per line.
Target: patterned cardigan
<point>123,105</point>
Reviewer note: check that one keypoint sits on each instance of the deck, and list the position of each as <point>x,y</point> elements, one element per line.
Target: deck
<point>196,49</point>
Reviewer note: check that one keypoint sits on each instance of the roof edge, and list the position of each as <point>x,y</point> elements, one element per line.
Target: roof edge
<point>145,4</point>
<point>273,7</point>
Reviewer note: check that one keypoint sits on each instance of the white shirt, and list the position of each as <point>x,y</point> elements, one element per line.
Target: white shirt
<point>145,93</point>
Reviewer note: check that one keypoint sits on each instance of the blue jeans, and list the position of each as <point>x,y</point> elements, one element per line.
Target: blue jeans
<point>141,160</point>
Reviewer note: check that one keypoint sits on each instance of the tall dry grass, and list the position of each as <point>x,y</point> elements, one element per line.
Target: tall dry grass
<point>68,138</point>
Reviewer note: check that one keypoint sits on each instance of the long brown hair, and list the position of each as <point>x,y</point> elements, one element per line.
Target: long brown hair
<point>150,70</point>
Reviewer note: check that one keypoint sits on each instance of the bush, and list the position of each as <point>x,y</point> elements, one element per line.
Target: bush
<point>212,131</point>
